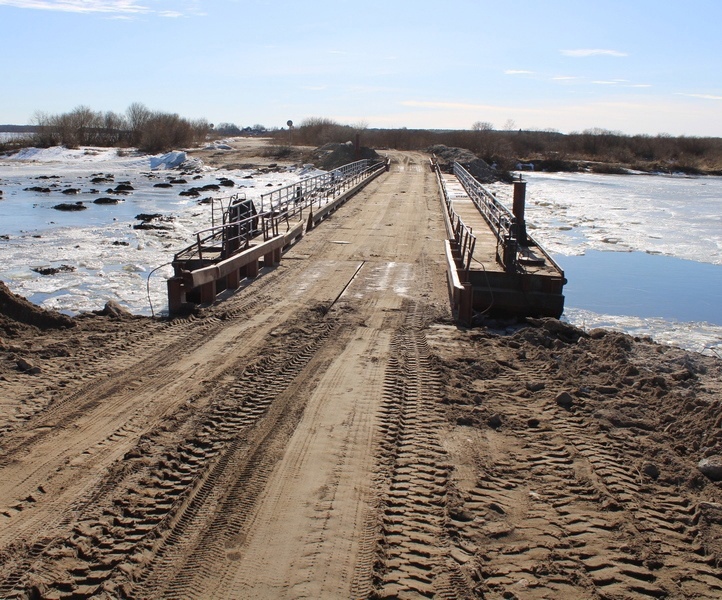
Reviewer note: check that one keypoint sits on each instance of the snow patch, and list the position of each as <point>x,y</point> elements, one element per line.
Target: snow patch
<point>169,160</point>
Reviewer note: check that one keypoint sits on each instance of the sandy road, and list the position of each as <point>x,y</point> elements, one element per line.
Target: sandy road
<point>234,456</point>
<point>327,432</point>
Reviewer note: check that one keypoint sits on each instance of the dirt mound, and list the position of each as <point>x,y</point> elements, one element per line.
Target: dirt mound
<point>331,156</point>
<point>15,309</point>
<point>484,173</point>
<point>615,381</point>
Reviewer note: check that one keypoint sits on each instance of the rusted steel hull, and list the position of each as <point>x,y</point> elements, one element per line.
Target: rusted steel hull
<point>249,242</point>
<point>493,266</point>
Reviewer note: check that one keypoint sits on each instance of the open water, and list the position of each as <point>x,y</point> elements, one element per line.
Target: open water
<point>642,253</point>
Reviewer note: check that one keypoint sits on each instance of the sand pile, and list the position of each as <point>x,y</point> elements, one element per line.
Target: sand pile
<point>16,312</point>
<point>331,156</point>
<point>661,394</point>
<point>447,156</point>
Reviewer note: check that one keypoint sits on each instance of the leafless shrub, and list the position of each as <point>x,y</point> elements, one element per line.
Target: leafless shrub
<point>278,151</point>
<point>549,149</point>
<point>148,130</point>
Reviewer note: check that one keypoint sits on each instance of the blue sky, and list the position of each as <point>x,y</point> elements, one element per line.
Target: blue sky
<point>635,66</point>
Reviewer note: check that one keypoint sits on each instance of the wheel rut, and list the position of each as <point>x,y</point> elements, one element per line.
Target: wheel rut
<point>412,551</point>
<point>156,507</point>
<point>548,498</point>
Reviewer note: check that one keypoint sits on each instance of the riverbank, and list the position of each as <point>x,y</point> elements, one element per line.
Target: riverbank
<point>563,452</point>
<point>613,167</point>
<point>328,431</point>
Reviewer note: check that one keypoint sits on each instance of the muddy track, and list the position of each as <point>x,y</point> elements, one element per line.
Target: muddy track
<point>550,504</point>
<point>412,555</point>
<point>121,357</point>
<point>327,432</point>
<point>256,417</point>
<point>169,494</point>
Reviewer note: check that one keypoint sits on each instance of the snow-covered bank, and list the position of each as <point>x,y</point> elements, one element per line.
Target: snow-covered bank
<point>102,255</point>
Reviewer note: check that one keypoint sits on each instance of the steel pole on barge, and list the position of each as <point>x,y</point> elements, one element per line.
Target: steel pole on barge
<point>518,210</point>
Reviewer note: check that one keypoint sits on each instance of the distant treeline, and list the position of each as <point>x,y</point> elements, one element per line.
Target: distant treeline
<point>598,150</point>
<point>17,129</point>
<point>138,127</point>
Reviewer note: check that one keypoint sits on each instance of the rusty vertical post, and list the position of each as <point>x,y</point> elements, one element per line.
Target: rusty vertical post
<point>466,303</point>
<point>233,279</point>
<point>208,292</point>
<point>268,259</point>
<point>510,249</point>
<point>518,210</point>
<point>176,295</point>
<point>252,269</point>
<point>357,146</point>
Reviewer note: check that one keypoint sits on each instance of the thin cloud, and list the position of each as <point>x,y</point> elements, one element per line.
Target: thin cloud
<point>564,78</point>
<point>600,82</point>
<point>649,116</point>
<point>702,96</point>
<point>444,105</point>
<point>517,72</point>
<point>81,6</point>
<point>113,8</point>
<point>584,52</point>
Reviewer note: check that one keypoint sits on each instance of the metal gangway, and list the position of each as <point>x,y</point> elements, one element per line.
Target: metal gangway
<point>237,221</point>
<point>243,232</point>
<point>492,264</point>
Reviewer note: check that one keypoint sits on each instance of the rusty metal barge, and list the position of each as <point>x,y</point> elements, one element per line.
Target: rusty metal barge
<point>245,236</point>
<point>493,266</point>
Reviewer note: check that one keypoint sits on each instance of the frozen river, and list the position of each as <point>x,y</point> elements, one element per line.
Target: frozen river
<point>99,252</point>
<point>642,253</point>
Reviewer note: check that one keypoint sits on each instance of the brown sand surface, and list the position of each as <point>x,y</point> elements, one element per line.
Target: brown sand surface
<point>328,432</point>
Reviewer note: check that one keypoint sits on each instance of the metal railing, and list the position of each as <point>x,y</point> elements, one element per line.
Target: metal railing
<point>463,235</point>
<point>325,185</point>
<point>500,220</point>
<point>283,205</point>
<point>225,239</point>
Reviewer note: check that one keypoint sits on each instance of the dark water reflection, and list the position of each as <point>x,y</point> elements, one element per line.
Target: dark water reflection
<point>643,285</point>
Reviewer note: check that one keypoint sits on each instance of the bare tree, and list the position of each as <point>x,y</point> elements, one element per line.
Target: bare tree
<point>45,134</point>
<point>138,116</point>
<point>83,126</point>
<point>482,126</point>
<point>114,128</point>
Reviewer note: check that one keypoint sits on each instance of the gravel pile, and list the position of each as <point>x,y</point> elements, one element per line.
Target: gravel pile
<point>484,173</point>
<point>333,155</point>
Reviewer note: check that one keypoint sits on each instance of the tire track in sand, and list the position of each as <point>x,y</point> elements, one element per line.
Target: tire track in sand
<point>412,552</point>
